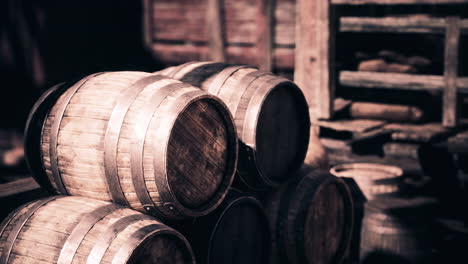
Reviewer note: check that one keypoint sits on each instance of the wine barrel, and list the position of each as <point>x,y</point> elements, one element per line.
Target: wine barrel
<point>149,142</point>
<point>312,219</point>
<point>374,180</point>
<point>66,229</point>
<point>270,112</point>
<point>398,230</point>
<point>236,232</point>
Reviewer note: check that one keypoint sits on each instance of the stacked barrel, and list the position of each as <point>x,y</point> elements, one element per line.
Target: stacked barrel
<point>128,154</point>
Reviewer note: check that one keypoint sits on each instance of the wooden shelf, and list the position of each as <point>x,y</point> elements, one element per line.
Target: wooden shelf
<point>396,2</point>
<point>398,25</point>
<point>398,81</point>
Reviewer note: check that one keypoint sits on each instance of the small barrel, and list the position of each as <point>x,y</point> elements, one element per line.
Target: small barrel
<point>374,180</point>
<point>61,229</point>
<point>398,230</point>
<point>148,142</point>
<point>311,218</point>
<point>270,112</point>
<point>236,232</point>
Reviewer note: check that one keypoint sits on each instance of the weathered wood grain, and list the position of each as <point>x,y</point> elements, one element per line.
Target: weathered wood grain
<point>450,109</point>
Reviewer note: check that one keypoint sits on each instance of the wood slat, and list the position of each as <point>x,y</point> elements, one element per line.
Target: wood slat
<point>398,25</point>
<point>450,105</point>
<point>398,81</point>
<point>215,30</point>
<point>265,38</point>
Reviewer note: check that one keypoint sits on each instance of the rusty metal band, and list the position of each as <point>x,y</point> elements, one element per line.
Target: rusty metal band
<point>56,128</point>
<point>186,67</point>
<point>111,137</point>
<point>178,68</point>
<point>138,142</point>
<point>245,84</point>
<point>222,77</point>
<point>8,244</point>
<point>81,230</point>
<point>169,202</point>
<point>106,238</point>
<point>32,137</point>
<point>137,238</point>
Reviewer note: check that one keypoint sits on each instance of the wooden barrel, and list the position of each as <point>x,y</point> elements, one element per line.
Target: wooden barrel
<point>145,141</point>
<point>398,230</point>
<point>236,232</point>
<point>374,180</point>
<point>61,229</point>
<point>270,112</point>
<point>311,218</point>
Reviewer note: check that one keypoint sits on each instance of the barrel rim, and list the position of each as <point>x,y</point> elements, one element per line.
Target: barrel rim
<point>280,82</point>
<point>237,201</point>
<point>164,230</point>
<point>33,133</point>
<point>394,171</point>
<point>228,178</point>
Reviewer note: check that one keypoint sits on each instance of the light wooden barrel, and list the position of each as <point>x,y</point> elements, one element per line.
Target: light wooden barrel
<point>236,232</point>
<point>398,230</point>
<point>149,142</point>
<point>65,229</point>
<point>374,180</point>
<point>270,112</point>
<point>311,219</point>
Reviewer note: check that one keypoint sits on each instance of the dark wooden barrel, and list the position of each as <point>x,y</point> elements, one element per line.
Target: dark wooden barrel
<point>145,141</point>
<point>398,230</point>
<point>70,229</point>
<point>236,232</point>
<point>311,218</point>
<point>270,112</point>
<point>374,180</point>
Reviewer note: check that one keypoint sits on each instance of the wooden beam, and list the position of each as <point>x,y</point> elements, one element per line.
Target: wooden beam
<point>214,24</point>
<point>265,25</point>
<point>314,57</point>
<point>398,25</point>
<point>398,81</point>
<point>450,103</point>
<point>396,2</point>
<point>147,23</point>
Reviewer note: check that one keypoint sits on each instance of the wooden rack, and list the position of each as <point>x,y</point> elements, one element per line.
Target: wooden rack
<point>315,51</point>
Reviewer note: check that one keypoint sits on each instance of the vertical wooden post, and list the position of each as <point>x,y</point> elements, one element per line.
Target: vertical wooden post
<point>214,23</point>
<point>147,23</point>
<point>314,55</point>
<point>265,34</point>
<point>450,104</point>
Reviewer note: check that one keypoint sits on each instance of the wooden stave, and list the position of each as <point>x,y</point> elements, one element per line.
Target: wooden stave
<point>248,157</point>
<point>201,231</point>
<point>182,211</point>
<point>88,219</point>
<point>289,246</point>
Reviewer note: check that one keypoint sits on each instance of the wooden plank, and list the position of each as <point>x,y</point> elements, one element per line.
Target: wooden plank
<point>398,24</point>
<point>450,104</point>
<point>314,58</point>
<point>147,23</point>
<point>422,133</point>
<point>18,186</point>
<point>352,125</point>
<point>396,2</point>
<point>215,30</point>
<point>265,24</point>
<point>398,81</point>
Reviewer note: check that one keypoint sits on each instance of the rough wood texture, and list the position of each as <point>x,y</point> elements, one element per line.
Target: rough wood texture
<point>149,142</point>
<point>314,57</point>
<point>450,110</point>
<point>423,133</point>
<point>215,30</point>
<point>237,232</point>
<point>373,179</point>
<point>312,218</point>
<point>398,24</point>
<point>83,230</point>
<point>398,81</point>
<point>265,39</point>
<point>356,125</point>
<point>270,114</point>
<point>402,150</point>
<point>398,230</point>
<point>178,31</point>
<point>387,112</point>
